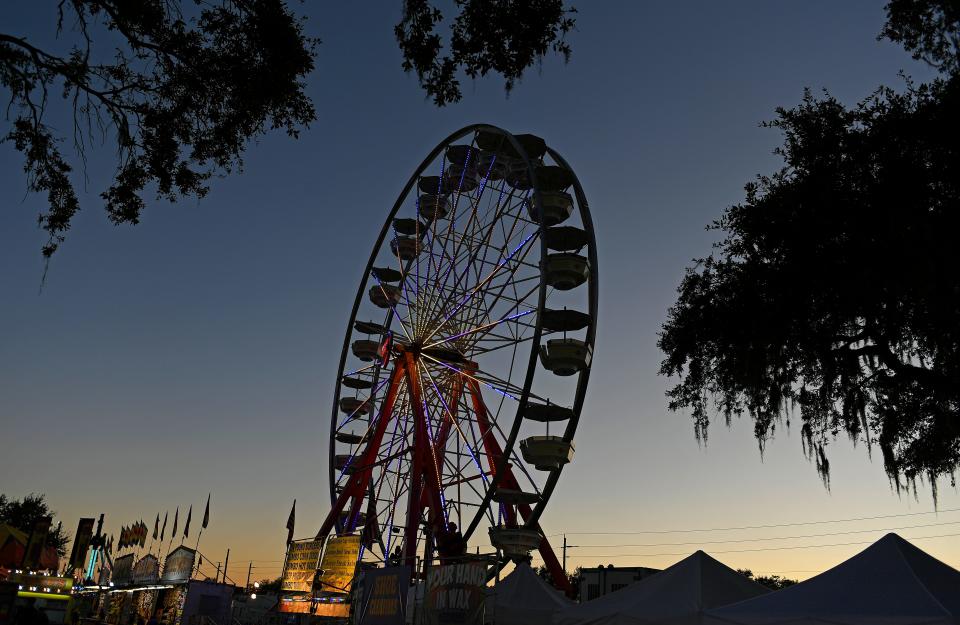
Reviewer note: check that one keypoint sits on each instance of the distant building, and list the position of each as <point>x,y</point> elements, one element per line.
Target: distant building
<point>606,579</point>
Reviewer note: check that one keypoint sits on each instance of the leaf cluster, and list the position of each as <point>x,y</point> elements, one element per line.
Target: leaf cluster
<point>180,94</point>
<point>501,36</point>
<point>928,29</point>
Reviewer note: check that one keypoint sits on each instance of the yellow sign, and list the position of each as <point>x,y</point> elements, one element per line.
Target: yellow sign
<point>301,565</point>
<point>339,564</point>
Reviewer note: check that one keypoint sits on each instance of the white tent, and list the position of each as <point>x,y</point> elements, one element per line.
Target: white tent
<point>675,596</point>
<point>891,582</point>
<point>522,598</point>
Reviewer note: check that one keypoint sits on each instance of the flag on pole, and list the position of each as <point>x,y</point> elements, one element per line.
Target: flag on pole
<point>290,522</point>
<point>186,528</point>
<point>164,528</point>
<point>206,514</point>
<point>176,516</point>
<point>156,527</point>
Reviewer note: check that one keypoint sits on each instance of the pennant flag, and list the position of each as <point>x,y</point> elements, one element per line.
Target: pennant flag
<point>186,527</point>
<point>290,522</point>
<point>143,534</point>
<point>156,527</point>
<point>176,515</point>
<point>164,528</point>
<point>206,514</point>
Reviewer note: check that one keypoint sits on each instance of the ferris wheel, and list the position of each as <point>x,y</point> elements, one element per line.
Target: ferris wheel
<point>467,355</point>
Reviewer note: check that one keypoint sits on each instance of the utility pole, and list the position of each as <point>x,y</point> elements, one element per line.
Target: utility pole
<point>226,561</point>
<point>249,571</point>
<point>565,547</point>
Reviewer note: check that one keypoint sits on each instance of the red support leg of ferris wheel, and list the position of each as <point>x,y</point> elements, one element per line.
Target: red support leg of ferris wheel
<point>494,453</point>
<point>425,477</point>
<point>356,487</point>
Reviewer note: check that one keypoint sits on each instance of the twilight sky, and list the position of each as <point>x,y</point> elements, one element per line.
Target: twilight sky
<point>197,352</point>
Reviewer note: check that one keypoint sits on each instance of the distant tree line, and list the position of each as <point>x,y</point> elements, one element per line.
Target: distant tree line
<point>773,582</point>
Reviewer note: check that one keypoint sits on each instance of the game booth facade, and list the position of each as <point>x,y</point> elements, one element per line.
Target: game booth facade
<point>140,590</point>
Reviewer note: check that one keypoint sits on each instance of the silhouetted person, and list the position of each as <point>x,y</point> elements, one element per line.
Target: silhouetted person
<point>450,543</point>
<point>396,558</point>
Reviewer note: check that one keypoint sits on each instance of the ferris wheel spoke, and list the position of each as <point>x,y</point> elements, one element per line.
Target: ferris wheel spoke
<point>489,380</point>
<point>516,264</point>
<point>449,413</point>
<point>509,313</point>
<point>360,370</point>
<point>487,350</point>
<point>481,328</point>
<point>508,203</point>
<point>461,435</point>
<point>470,483</point>
<point>475,261</point>
<point>480,285</point>
<point>498,207</point>
<point>507,281</point>
<point>473,209</point>
<point>451,227</point>
<point>442,293</point>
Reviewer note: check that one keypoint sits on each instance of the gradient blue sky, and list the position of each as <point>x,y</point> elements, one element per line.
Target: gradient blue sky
<point>197,351</point>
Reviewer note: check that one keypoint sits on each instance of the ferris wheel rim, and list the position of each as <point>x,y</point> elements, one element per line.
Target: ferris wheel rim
<point>510,442</point>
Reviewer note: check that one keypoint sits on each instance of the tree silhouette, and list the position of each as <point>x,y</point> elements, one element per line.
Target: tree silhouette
<point>773,582</point>
<point>835,289</point>
<point>181,88</point>
<point>269,585</point>
<point>574,578</point>
<point>501,36</point>
<point>23,513</point>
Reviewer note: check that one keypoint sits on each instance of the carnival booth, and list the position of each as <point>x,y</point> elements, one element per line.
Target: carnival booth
<point>138,591</point>
<point>522,598</point>
<point>13,545</point>
<point>50,593</point>
<point>678,595</point>
<point>890,582</point>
